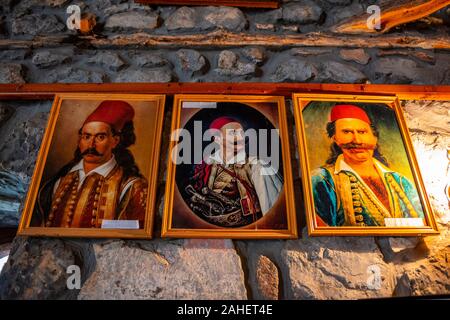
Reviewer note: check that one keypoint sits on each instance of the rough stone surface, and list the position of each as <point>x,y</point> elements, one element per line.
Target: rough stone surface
<point>192,62</point>
<point>294,70</point>
<point>125,7</point>
<point>6,111</point>
<point>446,77</point>
<point>110,60</point>
<point>37,24</point>
<point>357,55</point>
<point>431,138</point>
<point>340,2</point>
<point>13,55</point>
<point>12,191</point>
<point>181,269</point>
<point>267,278</point>
<point>338,14</point>
<point>421,55</point>
<point>145,75</point>
<point>257,55</point>
<point>268,17</point>
<point>228,18</point>
<point>430,277</point>
<point>148,59</point>
<point>20,138</point>
<point>338,268</point>
<point>5,248</point>
<point>399,70</point>
<point>206,18</point>
<point>332,71</point>
<point>305,52</point>
<point>140,20</point>
<point>184,18</point>
<point>37,268</point>
<point>265,26</point>
<point>46,59</point>
<point>73,75</point>
<point>303,12</point>
<point>31,283</point>
<point>11,73</point>
<point>23,6</point>
<point>230,65</point>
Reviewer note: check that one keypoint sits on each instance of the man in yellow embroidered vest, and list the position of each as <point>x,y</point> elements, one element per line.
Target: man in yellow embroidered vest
<point>356,187</point>
<point>102,182</point>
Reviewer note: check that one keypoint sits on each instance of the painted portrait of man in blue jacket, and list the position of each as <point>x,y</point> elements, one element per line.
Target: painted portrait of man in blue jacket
<point>356,186</point>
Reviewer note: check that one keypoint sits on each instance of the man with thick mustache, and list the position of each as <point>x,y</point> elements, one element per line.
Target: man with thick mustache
<point>356,187</point>
<point>102,182</point>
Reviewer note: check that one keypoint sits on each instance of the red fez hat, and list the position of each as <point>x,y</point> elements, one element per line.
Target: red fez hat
<point>342,111</point>
<point>113,112</point>
<point>220,122</point>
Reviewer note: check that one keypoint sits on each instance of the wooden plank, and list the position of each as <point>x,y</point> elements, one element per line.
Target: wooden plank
<point>47,91</point>
<point>36,42</point>
<point>224,39</point>
<point>231,3</point>
<point>393,13</point>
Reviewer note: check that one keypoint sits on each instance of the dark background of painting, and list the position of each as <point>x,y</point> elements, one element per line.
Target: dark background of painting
<point>249,117</point>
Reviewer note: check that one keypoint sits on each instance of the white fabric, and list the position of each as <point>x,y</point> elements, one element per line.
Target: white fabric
<point>268,183</point>
<point>102,170</point>
<point>341,165</point>
<point>125,189</point>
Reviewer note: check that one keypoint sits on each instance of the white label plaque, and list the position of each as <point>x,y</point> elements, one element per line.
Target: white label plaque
<point>120,224</point>
<point>403,222</point>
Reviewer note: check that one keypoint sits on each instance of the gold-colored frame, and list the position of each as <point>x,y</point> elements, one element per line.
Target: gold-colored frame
<point>300,101</point>
<point>146,232</point>
<point>289,233</point>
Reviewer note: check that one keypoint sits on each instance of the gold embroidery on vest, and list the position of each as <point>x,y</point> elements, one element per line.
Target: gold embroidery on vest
<point>60,194</point>
<point>109,196</point>
<point>402,195</point>
<point>81,202</point>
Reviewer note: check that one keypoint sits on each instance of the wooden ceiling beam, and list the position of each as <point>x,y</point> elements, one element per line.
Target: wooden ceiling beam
<point>47,91</point>
<point>231,3</point>
<point>225,39</point>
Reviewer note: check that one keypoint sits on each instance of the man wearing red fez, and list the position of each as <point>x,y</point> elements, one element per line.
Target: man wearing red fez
<point>235,190</point>
<point>356,187</point>
<point>102,182</point>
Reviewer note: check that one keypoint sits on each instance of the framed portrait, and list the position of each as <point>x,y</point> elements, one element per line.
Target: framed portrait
<point>97,167</point>
<point>359,172</point>
<point>229,170</point>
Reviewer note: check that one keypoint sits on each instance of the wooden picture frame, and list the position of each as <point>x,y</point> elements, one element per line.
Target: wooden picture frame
<point>130,182</point>
<point>182,216</point>
<point>338,200</point>
<point>271,4</point>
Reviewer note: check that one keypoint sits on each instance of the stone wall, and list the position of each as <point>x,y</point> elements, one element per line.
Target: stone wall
<point>307,268</point>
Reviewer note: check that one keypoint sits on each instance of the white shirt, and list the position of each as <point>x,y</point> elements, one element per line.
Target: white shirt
<point>267,181</point>
<point>341,165</point>
<point>102,170</point>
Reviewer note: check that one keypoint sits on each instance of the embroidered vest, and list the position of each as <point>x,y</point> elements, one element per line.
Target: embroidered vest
<point>86,206</point>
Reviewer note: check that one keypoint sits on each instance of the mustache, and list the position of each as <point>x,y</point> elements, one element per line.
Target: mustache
<point>352,145</point>
<point>91,151</point>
